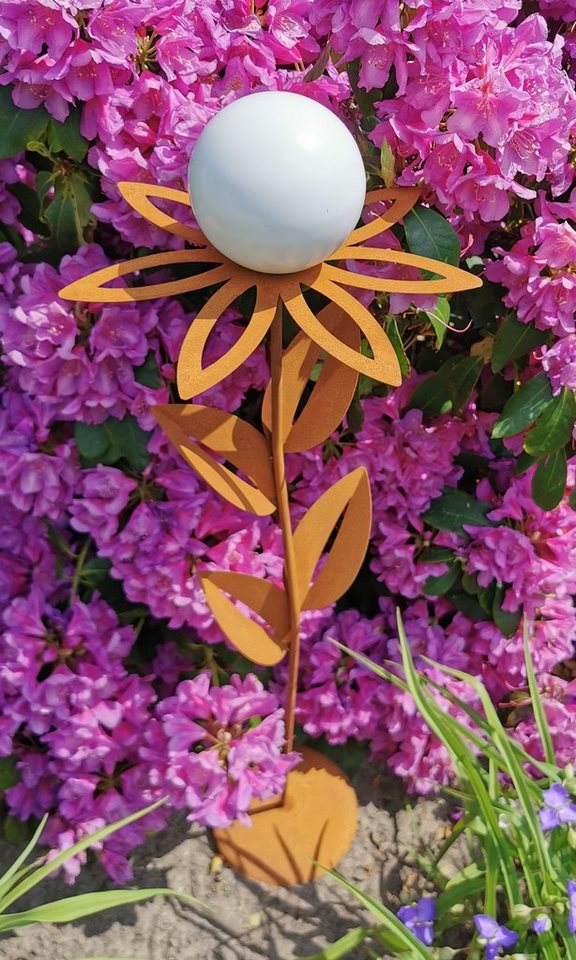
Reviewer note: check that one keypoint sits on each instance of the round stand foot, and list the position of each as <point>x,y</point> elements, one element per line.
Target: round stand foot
<point>316,822</point>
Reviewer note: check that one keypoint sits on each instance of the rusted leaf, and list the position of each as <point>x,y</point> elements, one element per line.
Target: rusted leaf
<point>332,393</point>
<point>382,366</point>
<point>235,441</point>
<point>247,636</point>
<point>192,377</point>
<point>349,496</point>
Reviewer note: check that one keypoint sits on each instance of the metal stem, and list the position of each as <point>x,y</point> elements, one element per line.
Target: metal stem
<point>290,579</point>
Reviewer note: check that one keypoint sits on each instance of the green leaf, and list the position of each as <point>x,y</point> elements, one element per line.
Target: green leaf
<point>68,214</point>
<point>439,318</point>
<point>39,874</point>
<point>468,605</point>
<point>407,941</point>
<point>454,508</point>
<point>507,621</point>
<point>431,396</point>
<point>355,415</point>
<point>112,441</point>
<point>438,586</point>
<point>429,234</point>
<point>96,571</point>
<point>523,783</point>
<point>29,201</point>
<point>449,388</point>
<point>523,407</point>
<point>523,463</point>
<point>549,480</point>
<point>513,340</point>
<point>462,376</point>
<point>38,146</point>
<point>81,905</point>
<point>148,373</point>
<point>318,68</point>
<point>341,947</point>
<point>396,340</point>
<point>66,138</point>
<point>387,164</point>
<point>435,554</point>
<point>537,705</point>
<point>15,831</point>
<point>553,428</point>
<point>9,775</point>
<point>9,877</point>
<point>93,441</point>
<point>18,126</point>
<point>44,181</point>
<point>133,441</point>
<point>459,890</point>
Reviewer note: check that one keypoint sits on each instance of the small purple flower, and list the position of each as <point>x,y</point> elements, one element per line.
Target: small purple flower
<point>572,906</point>
<point>493,936</point>
<point>420,919</point>
<point>557,809</point>
<point>541,924</point>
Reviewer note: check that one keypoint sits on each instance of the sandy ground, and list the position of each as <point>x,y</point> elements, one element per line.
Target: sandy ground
<point>254,921</point>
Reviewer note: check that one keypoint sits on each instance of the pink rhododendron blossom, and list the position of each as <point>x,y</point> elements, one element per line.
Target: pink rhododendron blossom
<point>107,684</point>
<point>205,752</point>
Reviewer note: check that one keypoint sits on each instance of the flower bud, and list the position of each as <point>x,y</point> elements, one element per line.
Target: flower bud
<point>521,912</point>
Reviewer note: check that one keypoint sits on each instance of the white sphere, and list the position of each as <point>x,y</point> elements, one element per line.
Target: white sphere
<point>276,182</point>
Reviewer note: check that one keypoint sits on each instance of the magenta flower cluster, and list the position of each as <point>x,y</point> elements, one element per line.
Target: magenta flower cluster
<point>116,684</point>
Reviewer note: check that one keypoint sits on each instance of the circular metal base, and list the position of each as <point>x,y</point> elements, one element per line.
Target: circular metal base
<point>315,822</point>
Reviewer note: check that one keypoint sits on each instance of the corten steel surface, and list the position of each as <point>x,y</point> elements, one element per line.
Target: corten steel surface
<point>316,817</point>
<point>292,843</point>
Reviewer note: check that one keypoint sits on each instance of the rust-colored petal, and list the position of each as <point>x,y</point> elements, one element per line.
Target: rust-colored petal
<point>192,377</point>
<point>383,366</point>
<point>349,496</point>
<point>91,289</point>
<point>332,393</point>
<point>138,196</point>
<point>229,437</point>
<point>452,279</point>
<point>404,199</point>
<point>247,636</point>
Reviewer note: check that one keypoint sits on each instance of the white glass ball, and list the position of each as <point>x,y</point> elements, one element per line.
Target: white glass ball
<point>276,182</point>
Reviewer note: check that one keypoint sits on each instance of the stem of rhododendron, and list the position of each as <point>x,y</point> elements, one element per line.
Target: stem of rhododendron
<point>81,559</point>
<point>290,581</point>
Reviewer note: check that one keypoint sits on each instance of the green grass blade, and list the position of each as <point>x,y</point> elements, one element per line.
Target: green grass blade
<point>354,938</point>
<point>537,705</point>
<point>447,729</point>
<point>545,768</point>
<point>466,764</point>
<point>46,869</point>
<point>517,774</point>
<point>8,877</point>
<point>457,892</point>
<point>490,850</point>
<point>481,743</point>
<point>86,904</point>
<point>387,918</point>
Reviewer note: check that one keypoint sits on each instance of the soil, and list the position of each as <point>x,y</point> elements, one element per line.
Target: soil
<point>253,921</point>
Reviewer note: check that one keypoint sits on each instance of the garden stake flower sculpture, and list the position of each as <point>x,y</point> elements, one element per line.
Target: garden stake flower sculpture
<point>314,821</point>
